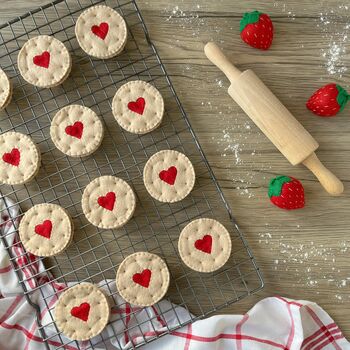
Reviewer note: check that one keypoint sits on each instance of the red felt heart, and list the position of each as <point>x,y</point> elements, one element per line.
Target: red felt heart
<point>204,244</point>
<point>13,157</point>
<point>101,31</point>
<point>82,311</point>
<point>107,201</point>
<point>143,278</point>
<point>137,106</point>
<point>44,229</point>
<point>42,60</point>
<point>75,130</point>
<point>168,176</point>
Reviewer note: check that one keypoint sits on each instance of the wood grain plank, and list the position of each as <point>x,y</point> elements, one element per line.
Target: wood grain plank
<point>303,254</point>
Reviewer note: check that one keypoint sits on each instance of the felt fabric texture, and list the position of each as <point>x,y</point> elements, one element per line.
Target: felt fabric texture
<point>44,61</point>
<point>142,279</point>
<point>20,158</point>
<point>257,30</point>
<point>101,32</point>
<point>273,323</point>
<point>108,202</point>
<point>286,192</point>
<point>82,311</point>
<point>5,90</point>
<point>204,245</point>
<point>138,107</point>
<point>46,229</point>
<point>169,176</point>
<point>328,101</point>
<point>76,131</point>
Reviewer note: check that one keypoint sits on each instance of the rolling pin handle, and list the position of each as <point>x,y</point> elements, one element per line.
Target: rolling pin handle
<point>327,179</point>
<point>216,56</point>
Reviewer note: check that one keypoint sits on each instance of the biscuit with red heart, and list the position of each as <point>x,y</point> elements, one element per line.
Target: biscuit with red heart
<point>143,279</point>
<point>46,230</point>
<point>108,202</point>
<point>138,107</point>
<point>19,158</point>
<point>204,245</point>
<point>44,61</point>
<point>101,32</point>
<point>82,311</point>
<point>169,176</point>
<point>77,131</point>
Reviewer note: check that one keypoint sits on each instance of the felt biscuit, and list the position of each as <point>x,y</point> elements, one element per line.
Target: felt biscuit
<point>138,107</point>
<point>204,245</point>
<point>143,279</point>
<point>19,158</point>
<point>5,90</point>
<point>169,176</point>
<point>82,311</point>
<point>76,131</point>
<point>46,230</point>
<point>44,61</point>
<point>101,32</point>
<point>108,202</point>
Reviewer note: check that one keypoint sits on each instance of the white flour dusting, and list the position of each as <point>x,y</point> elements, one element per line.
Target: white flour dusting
<point>337,34</point>
<point>311,264</point>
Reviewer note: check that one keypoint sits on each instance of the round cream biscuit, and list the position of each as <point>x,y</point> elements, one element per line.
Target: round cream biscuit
<point>204,245</point>
<point>44,61</point>
<point>138,107</point>
<point>82,311</point>
<point>76,131</point>
<point>46,230</point>
<point>143,279</point>
<point>108,202</point>
<point>5,90</point>
<point>169,176</point>
<point>19,158</point>
<point>101,32</point>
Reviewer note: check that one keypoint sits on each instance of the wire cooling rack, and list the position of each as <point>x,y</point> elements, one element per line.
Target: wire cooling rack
<point>95,254</point>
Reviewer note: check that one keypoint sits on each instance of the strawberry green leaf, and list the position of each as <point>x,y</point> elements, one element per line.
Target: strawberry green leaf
<point>249,18</point>
<point>343,97</point>
<point>276,184</point>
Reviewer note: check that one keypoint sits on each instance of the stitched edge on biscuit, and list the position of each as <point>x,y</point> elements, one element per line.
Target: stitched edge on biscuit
<point>93,146</point>
<point>7,93</point>
<point>198,268</point>
<point>38,252</point>
<point>117,99</point>
<point>65,68</point>
<point>85,200</point>
<point>166,281</point>
<point>35,162</point>
<point>92,52</point>
<point>150,189</point>
<point>105,317</point>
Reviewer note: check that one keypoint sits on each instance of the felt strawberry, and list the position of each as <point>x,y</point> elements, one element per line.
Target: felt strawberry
<point>257,30</point>
<point>328,100</point>
<point>286,193</point>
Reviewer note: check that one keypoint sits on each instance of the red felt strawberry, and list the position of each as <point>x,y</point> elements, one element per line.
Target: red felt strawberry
<point>328,101</point>
<point>257,30</point>
<point>286,193</point>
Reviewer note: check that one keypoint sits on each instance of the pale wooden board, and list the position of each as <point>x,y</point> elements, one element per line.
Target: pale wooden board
<point>311,245</point>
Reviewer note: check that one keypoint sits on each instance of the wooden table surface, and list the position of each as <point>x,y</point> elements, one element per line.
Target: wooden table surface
<point>303,254</point>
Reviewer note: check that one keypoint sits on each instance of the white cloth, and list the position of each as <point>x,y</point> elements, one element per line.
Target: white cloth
<point>273,323</point>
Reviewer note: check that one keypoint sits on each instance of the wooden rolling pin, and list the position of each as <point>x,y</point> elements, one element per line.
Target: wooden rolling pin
<point>274,120</point>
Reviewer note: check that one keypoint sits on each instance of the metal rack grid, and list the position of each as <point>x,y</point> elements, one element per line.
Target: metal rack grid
<point>95,254</point>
